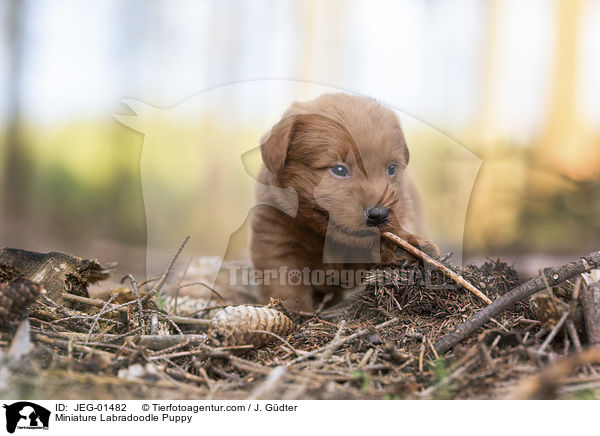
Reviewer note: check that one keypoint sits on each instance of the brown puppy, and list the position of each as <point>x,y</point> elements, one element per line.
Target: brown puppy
<point>345,158</point>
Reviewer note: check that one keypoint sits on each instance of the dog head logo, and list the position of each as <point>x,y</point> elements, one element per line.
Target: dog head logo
<point>195,183</point>
<point>26,415</point>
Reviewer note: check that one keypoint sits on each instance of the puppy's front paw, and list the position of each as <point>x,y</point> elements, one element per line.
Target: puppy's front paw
<point>429,248</point>
<point>391,254</point>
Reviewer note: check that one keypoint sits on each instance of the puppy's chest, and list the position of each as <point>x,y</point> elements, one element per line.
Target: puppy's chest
<point>338,277</point>
<point>333,254</point>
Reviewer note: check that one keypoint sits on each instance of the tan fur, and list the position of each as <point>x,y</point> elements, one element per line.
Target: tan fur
<point>329,229</point>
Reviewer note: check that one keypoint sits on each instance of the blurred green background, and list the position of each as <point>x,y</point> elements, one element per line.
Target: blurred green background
<point>516,83</point>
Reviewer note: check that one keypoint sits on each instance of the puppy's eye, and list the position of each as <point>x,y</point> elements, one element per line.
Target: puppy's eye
<point>391,169</point>
<point>339,171</point>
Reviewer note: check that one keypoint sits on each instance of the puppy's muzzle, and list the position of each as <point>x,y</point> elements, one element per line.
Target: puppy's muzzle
<point>377,216</point>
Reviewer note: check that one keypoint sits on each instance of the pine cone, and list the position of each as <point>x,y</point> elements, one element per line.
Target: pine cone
<point>237,325</point>
<point>16,296</point>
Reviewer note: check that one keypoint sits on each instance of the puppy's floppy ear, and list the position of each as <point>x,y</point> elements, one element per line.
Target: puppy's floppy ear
<point>406,156</point>
<point>274,149</point>
<point>405,151</point>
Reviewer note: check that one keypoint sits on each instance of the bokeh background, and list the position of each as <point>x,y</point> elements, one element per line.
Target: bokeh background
<point>515,83</point>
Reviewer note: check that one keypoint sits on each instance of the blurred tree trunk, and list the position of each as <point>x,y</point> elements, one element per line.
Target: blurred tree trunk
<point>14,181</point>
<point>487,125</point>
<point>567,144</point>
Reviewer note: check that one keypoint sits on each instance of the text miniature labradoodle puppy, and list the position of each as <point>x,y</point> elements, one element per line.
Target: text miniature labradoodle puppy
<point>345,159</point>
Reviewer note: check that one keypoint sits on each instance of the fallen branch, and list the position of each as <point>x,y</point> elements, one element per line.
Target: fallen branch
<point>554,276</point>
<point>123,308</point>
<point>151,341</point>
<point>441,267</point>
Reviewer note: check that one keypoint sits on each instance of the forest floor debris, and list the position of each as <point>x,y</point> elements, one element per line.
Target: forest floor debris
<point>383,343</point>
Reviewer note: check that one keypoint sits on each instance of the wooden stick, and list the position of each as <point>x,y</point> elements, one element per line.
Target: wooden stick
<point>443,268</point>
<point>98,303</point>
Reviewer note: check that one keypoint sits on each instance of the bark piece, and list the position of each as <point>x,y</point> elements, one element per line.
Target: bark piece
<point>55,271</point>
<point>590,300</point>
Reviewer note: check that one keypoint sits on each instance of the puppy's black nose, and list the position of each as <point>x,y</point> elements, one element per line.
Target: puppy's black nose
<point>377,216</point>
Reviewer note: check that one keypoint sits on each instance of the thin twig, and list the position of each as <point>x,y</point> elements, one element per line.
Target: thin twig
<point>177,354</point>
<point>421,353</point>
<point>437,356</point>
<point>341,341</point>
<point>140,308</point>
<point>178,287</point>
<point>283,340</point>
<point>154,324</point>
<point>554,331</point>
<point>187,285</point>
<point>330,348</point>
<point>573,335</point>
<point>443,268</point>
<point>485,353</point>
<point>168,318</point>
<point>97,317</point>
<point>570,323</point>
<point>93,302</point>
<point>163,278</point>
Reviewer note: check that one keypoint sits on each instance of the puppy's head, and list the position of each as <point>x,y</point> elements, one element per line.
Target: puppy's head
<point>346,157</point>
